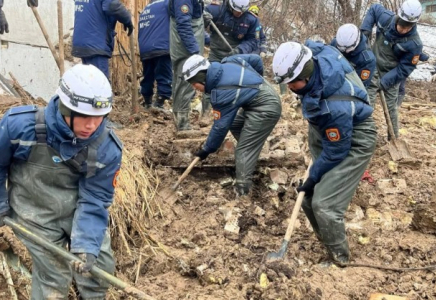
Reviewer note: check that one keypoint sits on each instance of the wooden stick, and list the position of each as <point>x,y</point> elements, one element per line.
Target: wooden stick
<point>135,104</point>
<point>23,94</point>
<point>139,268</point>
<point>186,173</point>
<point>61,38</point>
<point>5,270</point>
<point>47,38</point>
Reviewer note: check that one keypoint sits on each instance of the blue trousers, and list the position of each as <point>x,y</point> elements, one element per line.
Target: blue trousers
<point>101,62</point>
<point>157,69</point>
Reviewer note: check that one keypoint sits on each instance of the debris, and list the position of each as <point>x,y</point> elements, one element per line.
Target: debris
<point>366,176</point>
<point>274,186</point>
<point>226,181</point>
<point>392,186</point>
<point>259,211</point>
<point>378,296</point>
<point>264,282</point>
<point>292,149</point>
<point>393,167</point>
<point>428,121</point>
<point>363,240</point>
<point>278,176</point>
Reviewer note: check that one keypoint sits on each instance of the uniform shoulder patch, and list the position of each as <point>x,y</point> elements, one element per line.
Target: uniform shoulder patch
<point>216,115</point>
<point>415,59</point>
<point>23,109</point>
<point>333,134</point>
<point>184,9</point>
<point>116,139</point>
<point>366,55</point>
<point>364,75</point>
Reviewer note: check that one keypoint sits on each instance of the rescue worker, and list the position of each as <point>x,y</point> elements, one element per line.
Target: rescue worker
<point>355,47</point>
<point>342,134</point>
<point>4,26</point>
<point>238,26</point>
<point>94,30</point>
<point>402,88</point>
<point>243,102</point>
<point>154,48</point>
<point>397,48</point>
<point>186,39</point>
<point>61,164</point>
<point>261,49</point>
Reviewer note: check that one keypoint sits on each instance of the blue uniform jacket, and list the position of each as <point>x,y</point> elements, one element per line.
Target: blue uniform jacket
<point>94,26</point>
<point>154,30</point>
<point>407,47</point>
<point>183,11</point>
<point>334,119</point>
<point>232,84</point>
<point>362,59</point>
<point>242,28</point>
<point>95,193</point>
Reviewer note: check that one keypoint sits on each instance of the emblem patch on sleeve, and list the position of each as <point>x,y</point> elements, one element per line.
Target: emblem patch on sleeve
<point>364,75</point>
<point>184,9</point>
<point>333,134</point>
<point>216,115</point>
<point>115,180</point>
<point>415,59</point>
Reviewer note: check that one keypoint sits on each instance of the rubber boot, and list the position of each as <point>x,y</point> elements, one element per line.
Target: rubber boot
<point>339,253</point>
<point>400,99</point>
<point>182,121</point>
<point>147,101</point>
<point>159,103</point>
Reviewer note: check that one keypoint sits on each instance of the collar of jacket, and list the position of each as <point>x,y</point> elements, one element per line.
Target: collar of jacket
<point>314,85</point>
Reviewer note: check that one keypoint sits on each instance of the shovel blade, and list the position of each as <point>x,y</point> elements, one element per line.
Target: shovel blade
<point>272,256</point>
<point>398,149</point>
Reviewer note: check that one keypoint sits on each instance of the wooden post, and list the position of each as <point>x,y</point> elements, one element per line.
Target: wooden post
<point>47,38</point>
<point>61,38</point>
<point>135,104</point>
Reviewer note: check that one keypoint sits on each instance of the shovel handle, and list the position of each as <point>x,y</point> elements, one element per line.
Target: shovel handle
<point>387,115</point>
<point>187,171</point>
<point>297,207</point>
<point>135,104</point>
<point>56,250</point>
<point>221,35</point>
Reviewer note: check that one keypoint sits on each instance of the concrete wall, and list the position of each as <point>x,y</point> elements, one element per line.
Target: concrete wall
<point>24,51</point>
<point>424,8</point>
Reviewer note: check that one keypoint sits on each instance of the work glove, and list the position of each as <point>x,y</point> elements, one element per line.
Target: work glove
<point>234,51</point>
<point>84,266</point>
<point>307,187</point>
<point>207,17</point>
<point>202,154</point>
<point>129,28</point>
<point>262,54</point>
<point>433,78</point>
<point>383,87</point>
<point>4,26</point>
<point>31,3</point>
<point>424,57</point>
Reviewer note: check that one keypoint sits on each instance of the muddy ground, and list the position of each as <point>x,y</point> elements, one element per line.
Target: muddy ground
<point>198,259</point>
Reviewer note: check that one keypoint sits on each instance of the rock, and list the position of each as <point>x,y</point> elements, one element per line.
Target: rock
<point>424,218</point>
<point>393,167</point>
<point>292,149</point>
<point>278,176</point>
<point>226,181</point>
<point>392,186</point>
<point>259,211</point>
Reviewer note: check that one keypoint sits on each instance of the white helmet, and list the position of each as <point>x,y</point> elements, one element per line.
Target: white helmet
<point>240,5</point>
<point>289,61</point>
<point>193,65</point>
<point>410,11</point>
<point>347,38</point>
<point>85,90</point>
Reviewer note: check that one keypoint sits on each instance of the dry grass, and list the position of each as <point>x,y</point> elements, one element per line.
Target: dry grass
<point>135,206</point>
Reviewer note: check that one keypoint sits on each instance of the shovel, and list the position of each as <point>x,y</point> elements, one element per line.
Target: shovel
<point>168,194</point>
<point>221,35</point>
<point>398,149</point>
<point>61,38</point>
<point>95,271</point>
<point>271,256</point>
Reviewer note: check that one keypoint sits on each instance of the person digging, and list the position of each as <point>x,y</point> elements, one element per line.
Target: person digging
<point>243,103</point>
